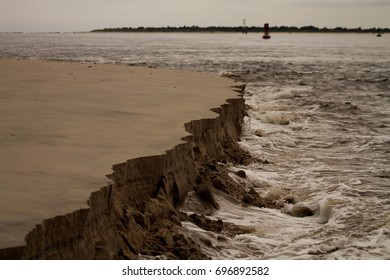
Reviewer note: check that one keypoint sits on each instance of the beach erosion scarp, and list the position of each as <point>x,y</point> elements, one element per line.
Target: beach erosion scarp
<point>199,118</point>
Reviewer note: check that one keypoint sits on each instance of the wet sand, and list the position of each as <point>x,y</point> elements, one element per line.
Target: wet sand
<point>64,124</point>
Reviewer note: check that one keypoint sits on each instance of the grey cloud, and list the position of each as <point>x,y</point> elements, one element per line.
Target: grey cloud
<point>342,4</point>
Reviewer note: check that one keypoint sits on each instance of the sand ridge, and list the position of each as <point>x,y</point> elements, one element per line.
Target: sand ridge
<point>64,124</point>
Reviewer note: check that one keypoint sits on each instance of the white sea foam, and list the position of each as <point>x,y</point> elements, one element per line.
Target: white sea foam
<point>318,162</point>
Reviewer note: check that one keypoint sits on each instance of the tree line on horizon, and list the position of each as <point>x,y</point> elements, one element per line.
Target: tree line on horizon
<point>245,29</point>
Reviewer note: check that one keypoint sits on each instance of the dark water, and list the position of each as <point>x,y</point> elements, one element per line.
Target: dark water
<point>319,114</point>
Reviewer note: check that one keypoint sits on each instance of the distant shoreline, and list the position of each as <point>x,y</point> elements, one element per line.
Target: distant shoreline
<point>242,29</point>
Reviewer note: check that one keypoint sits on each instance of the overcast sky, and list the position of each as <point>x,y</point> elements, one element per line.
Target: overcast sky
<point>85,15</point>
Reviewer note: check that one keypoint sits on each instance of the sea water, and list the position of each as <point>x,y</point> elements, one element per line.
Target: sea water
<point>318,126</point>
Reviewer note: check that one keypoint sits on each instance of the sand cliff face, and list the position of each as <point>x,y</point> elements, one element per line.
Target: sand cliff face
<point>138,213</point>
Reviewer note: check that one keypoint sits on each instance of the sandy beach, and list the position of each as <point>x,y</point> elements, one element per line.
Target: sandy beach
<point>64,124</point>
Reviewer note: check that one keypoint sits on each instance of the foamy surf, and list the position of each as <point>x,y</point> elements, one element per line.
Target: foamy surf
<point>326,203</point>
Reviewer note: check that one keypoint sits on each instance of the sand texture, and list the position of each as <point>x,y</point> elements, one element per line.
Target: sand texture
<point>64,124</point>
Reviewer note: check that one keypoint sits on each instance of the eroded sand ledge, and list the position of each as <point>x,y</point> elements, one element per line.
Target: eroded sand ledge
<point>138,213</point>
